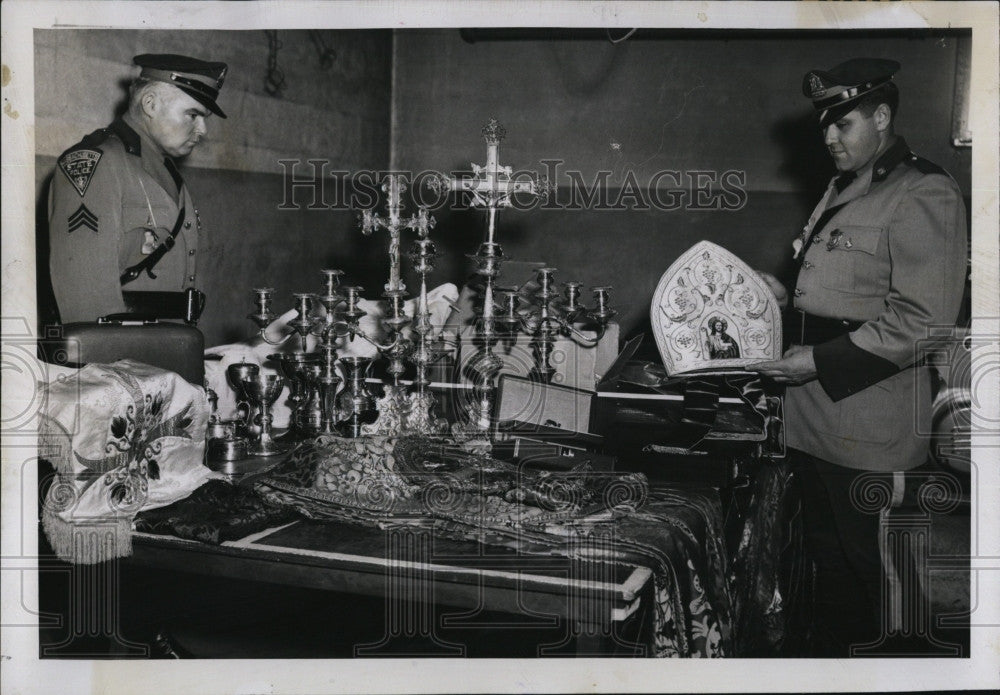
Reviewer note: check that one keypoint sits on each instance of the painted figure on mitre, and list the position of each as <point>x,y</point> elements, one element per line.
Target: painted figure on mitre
<point>721,345</point>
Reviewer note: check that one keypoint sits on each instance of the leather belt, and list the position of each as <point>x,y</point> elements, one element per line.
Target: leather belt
<point>150,306</point>
<point>801,328</point>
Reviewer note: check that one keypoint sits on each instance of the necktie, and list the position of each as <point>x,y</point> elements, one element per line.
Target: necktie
<point>174,173</point>
<point>844,180</point>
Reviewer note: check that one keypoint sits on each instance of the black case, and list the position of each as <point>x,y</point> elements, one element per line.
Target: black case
<point>176,347</point>
<point>547,411</point>
<point>546,425</point>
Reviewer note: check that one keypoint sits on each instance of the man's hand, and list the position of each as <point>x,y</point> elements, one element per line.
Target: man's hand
<point>795,367</point>
<point>779,291</point>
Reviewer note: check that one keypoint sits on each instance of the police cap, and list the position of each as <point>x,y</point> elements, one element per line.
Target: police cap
<point>200,79</point>
<point>837,91</point>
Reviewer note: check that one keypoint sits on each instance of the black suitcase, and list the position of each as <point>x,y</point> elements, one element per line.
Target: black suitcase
<point>173,346</point>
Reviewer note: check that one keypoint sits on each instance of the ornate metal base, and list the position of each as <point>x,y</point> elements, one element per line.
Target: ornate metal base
<point>352,427</point>
<point>393,410</point>
<point>266,447</point>
<point>422,419</point>
<point>400,412</point>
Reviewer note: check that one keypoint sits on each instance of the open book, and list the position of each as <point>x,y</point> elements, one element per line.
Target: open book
<point>712,313</point>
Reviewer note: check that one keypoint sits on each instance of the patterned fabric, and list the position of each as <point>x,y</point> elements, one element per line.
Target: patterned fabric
<point>602,517</point>
<point>767,574</point>
<point>122,437</point>
<point>214,513</point>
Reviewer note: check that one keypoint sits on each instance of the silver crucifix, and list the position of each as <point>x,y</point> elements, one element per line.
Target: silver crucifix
<point>394,223</point>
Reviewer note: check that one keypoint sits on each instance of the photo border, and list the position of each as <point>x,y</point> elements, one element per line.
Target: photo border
<point>23,672</point>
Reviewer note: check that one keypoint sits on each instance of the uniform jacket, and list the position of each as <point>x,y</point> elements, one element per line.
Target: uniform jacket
<point>893,255</point>
<point>111,203</point>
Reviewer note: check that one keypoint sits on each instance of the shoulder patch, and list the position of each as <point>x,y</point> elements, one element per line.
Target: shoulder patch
<point>925,166</point>
<point>79,166</point>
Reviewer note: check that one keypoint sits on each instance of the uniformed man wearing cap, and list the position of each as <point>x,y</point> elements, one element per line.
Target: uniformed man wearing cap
<point>120,215</point>
<point>880,262</point>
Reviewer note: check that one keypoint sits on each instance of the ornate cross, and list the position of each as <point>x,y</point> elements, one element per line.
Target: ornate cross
<point>422,224</point>
<point>491,185</point>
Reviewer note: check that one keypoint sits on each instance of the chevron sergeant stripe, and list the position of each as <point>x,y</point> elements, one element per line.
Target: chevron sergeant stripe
<point>83,218</point>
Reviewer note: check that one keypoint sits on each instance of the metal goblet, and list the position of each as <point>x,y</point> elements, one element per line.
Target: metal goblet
<point>355,402</point>
<point>236,373</point>
<point>292,365</point>
<point>311,412</point>
<point>263,390</point>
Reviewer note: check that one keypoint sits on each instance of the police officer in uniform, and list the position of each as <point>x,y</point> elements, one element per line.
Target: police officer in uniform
<point>881,260</point>
<point>120,215</point>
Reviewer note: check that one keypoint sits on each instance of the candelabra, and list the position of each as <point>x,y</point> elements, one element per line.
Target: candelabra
<point>548,315</point>
<point>312,376</point>
<point>491,187</point>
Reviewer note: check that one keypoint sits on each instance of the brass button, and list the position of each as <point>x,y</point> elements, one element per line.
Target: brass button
<point>807,265</point>
<point>191,252</point>
<point>817,239</point>
<point>798,292</point>
<point>187,225</point>
<point>191,278</point>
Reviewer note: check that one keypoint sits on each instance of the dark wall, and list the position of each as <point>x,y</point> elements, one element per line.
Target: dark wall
<point>681,102</point>
<point>418,100</point>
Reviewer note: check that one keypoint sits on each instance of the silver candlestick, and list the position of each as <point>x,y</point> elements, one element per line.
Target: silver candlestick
<point>421,419</point>
<point>264,316</point>
<point>355,401</point>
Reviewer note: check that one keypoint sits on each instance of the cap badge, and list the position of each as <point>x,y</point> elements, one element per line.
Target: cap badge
<point>816,86</point>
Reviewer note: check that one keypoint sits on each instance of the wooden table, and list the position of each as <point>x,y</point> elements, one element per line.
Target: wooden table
<point>417,573</point>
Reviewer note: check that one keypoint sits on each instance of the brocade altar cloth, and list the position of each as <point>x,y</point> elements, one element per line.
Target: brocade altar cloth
<point>612,518</point>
